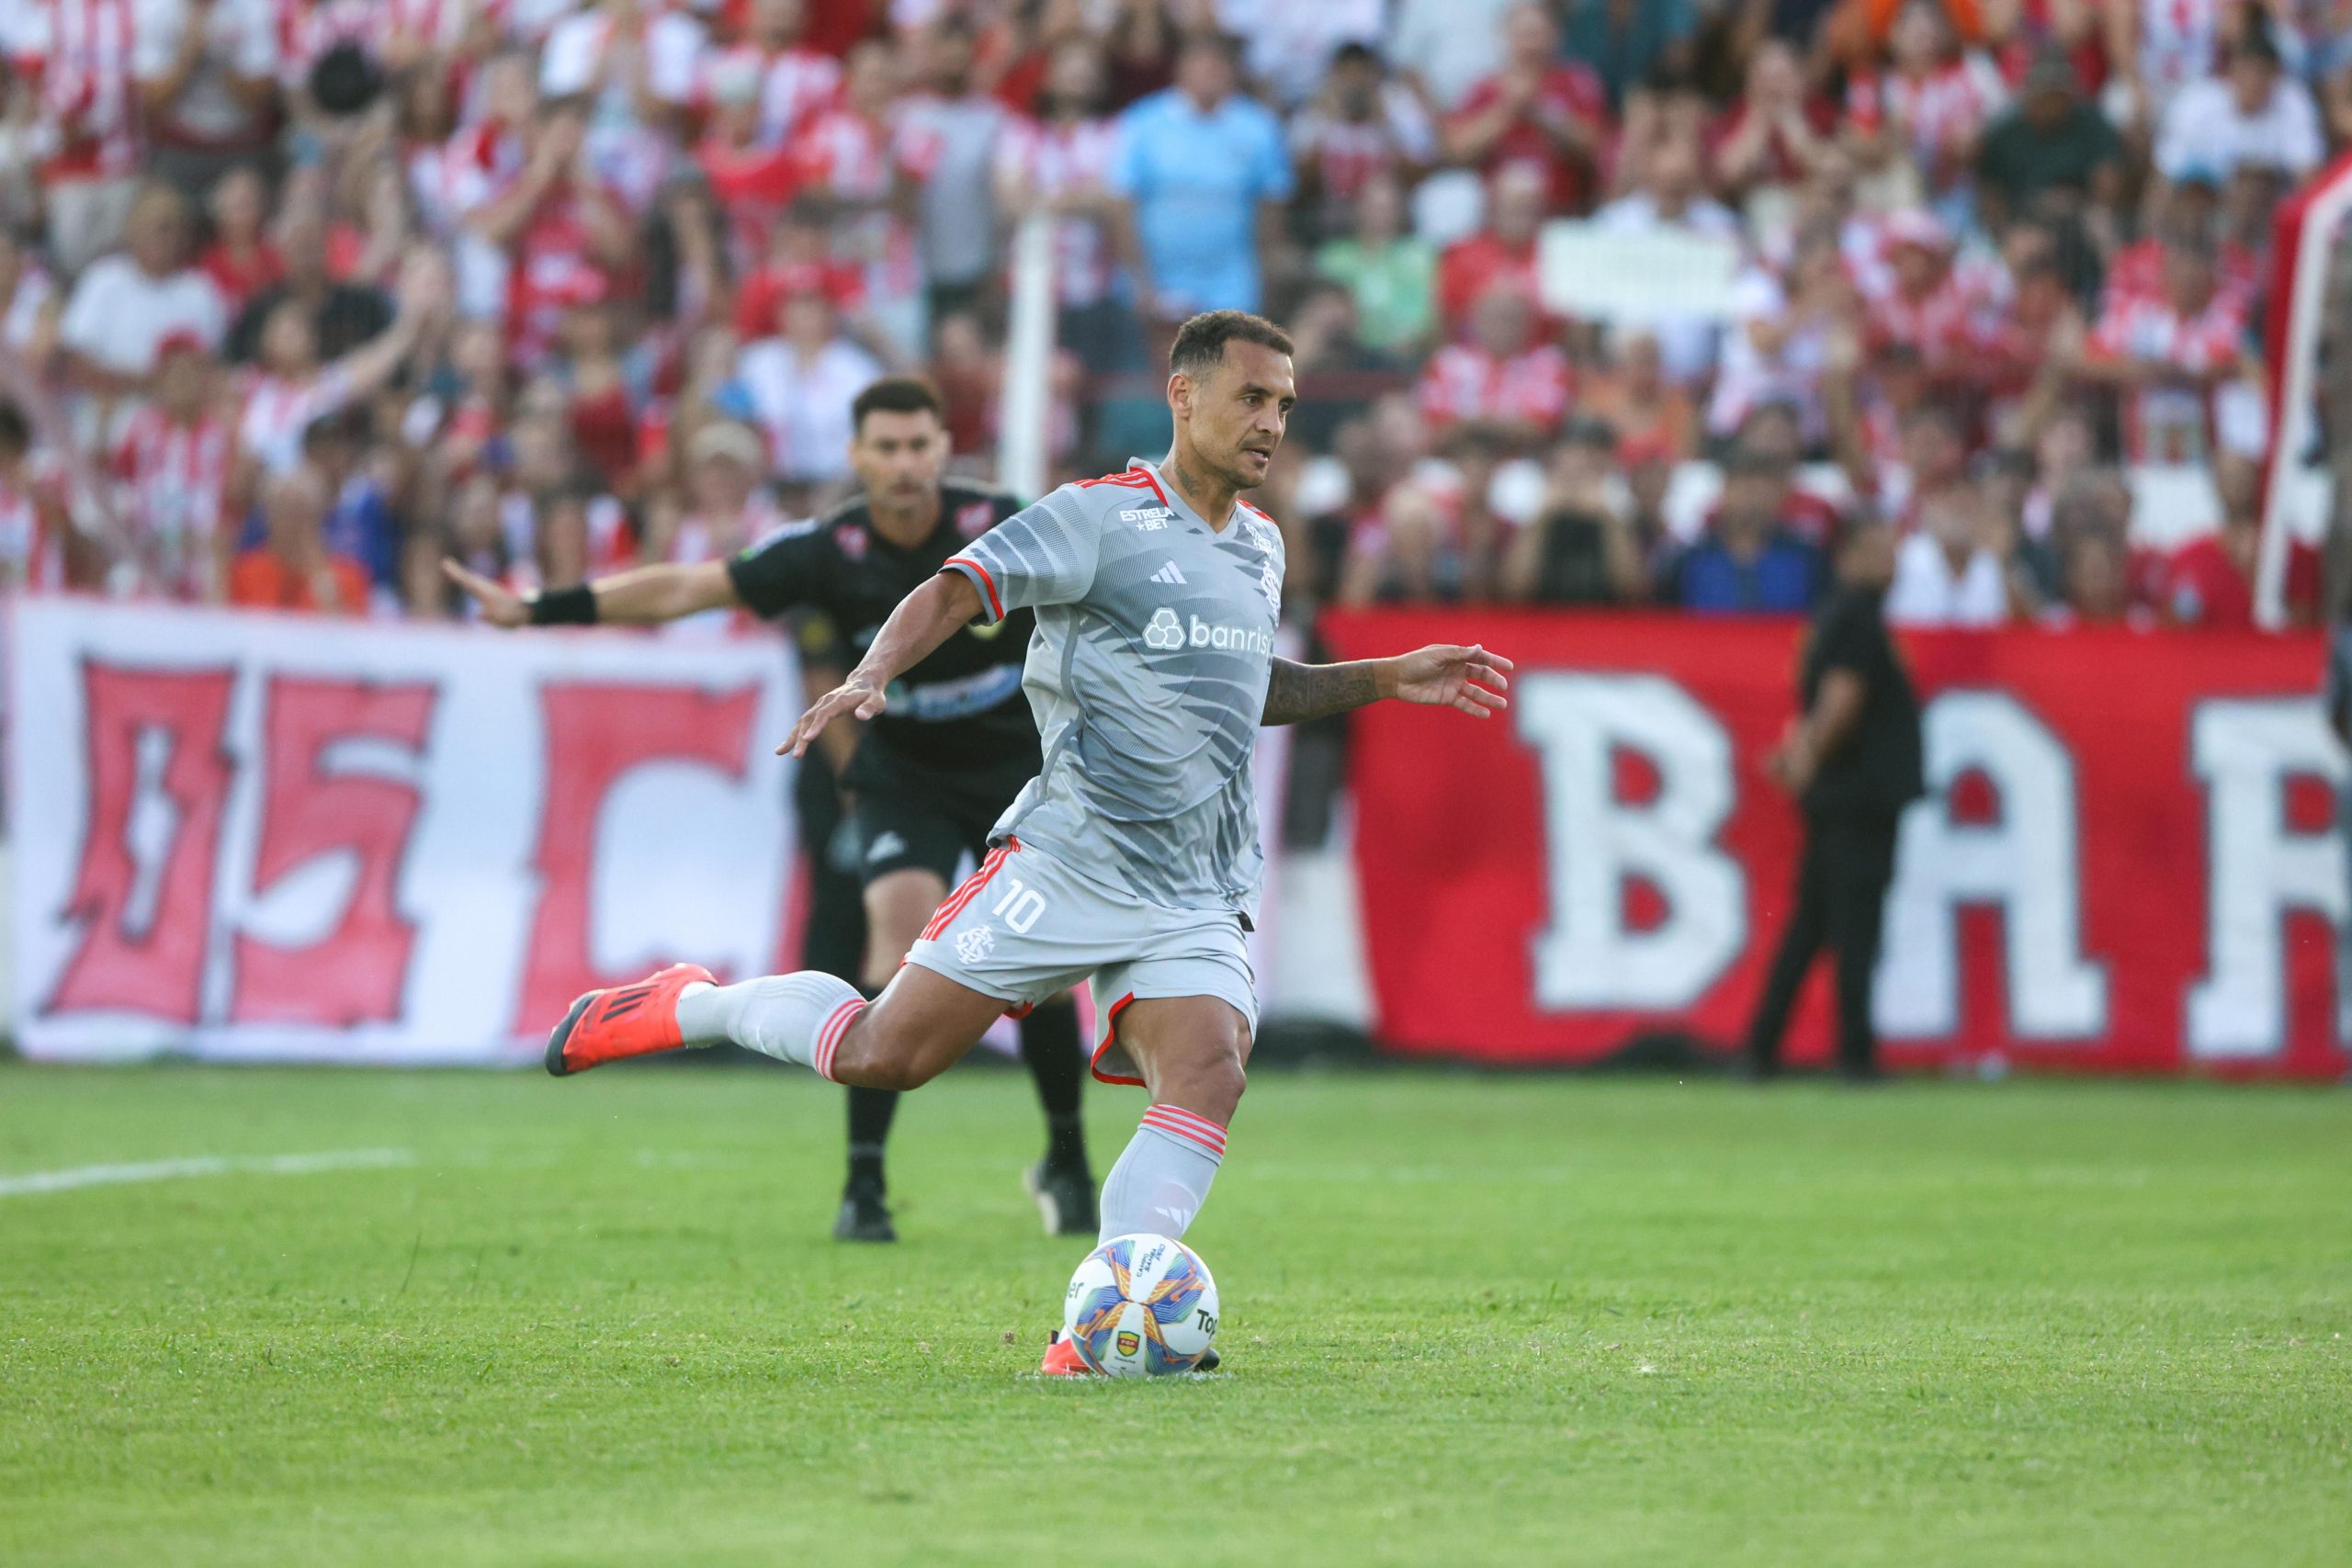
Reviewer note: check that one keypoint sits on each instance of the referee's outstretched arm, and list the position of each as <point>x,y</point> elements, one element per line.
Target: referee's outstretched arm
<point>641,597</point>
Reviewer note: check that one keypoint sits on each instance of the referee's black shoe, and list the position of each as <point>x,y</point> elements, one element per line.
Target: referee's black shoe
<point>864,1216</point>
<point>1065,1196</point>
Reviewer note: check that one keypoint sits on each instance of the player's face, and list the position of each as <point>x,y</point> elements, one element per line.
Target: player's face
<point>898,455</point>
<point>1235,414</point>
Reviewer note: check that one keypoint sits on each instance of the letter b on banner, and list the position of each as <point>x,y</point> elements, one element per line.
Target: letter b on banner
<point>1590,957</point>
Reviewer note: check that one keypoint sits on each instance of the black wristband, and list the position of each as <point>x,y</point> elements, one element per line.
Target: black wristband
<point>573,606</point>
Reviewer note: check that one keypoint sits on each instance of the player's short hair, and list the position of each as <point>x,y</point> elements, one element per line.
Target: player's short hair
<point>895,394</point>
<point>1200,343</point>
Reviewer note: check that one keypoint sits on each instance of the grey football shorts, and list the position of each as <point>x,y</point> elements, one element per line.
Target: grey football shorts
<point>1026,927</point>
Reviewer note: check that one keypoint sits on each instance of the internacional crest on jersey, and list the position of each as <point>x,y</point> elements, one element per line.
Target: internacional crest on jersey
<point>1148,674</point>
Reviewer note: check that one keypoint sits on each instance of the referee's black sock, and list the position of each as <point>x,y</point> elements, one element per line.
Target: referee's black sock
<point>870,1112</point>
<point>1050,1043</point>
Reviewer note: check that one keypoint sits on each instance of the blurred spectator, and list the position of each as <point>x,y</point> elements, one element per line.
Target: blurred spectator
<point>955,127</point>
<point>1776,134</point>
<point>1628,42</point>
<point>2050,140</point>
<point>1916,124</point>
<point>125,305</point>
<point>82,117</point>
<point>34,530</point>
<point>240,260</point>
<point>1671,200</point>
<point>558,227</point>
<point>2254,115</point>
<point>1504,377</point>
<point>1747,562</point>
<point>1950,571</point>
<point>293,568</point>
<point>800,383</point>
<point>1539,109</point>
<point>1202,170</point>
<point>1061,163</point>
<point>2210,581</point>
<point>29,306</point>
<point>1291,46</point>
<point>1632,395</point>
<point>341,315</point>
<point>1501,252</point>
<point>1390,273</point>
<point>631,65</point>
<point>2168,352</point>
<point>359,522</point>
<point>172,466</point>
<point>1360,129</point>
<point>795,82</point>
<point>1447,46</point>
<point>293,385</point>
<point>207,84</point>
<point>1580,548</point>
<point>2096,584</point>
<point>1777,344</point>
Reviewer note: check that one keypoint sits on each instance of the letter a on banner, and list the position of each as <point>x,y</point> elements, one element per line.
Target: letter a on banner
<point>2028,864</point>
<point>1589,957</point>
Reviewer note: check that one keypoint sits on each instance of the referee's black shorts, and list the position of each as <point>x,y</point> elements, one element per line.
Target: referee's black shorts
<point>912,817</point>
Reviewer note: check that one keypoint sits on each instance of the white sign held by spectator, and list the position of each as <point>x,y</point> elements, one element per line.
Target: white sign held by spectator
<point>1596,273</point>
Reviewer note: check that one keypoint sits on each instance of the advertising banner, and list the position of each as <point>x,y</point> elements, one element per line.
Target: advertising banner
<point>262,837</point>
<point>2129,861</point>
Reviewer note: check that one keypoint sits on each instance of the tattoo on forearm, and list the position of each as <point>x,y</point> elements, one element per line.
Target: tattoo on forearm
<point>1297,692</point>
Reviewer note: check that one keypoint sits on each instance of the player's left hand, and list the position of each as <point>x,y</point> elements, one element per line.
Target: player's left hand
<point>854,695</point>
<point>1442,675</point>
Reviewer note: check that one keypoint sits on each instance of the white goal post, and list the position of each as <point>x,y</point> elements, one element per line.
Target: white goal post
<point>2307,481</point>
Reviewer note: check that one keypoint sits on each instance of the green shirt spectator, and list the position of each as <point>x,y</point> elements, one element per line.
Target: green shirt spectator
<point>1391,274</point>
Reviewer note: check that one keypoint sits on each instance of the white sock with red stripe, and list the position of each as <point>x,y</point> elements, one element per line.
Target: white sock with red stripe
<point>797,1018</point>
<point>1163,1178</point>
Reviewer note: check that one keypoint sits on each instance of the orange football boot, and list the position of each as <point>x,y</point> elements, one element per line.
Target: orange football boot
<point>623,1020</point>
<point>1062,1360</point>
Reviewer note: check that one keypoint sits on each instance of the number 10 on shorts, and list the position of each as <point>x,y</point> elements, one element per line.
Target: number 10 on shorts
<point>1021,907</point>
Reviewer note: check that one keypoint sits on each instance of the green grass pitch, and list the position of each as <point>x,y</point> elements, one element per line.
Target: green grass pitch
<point>1507,1320</point>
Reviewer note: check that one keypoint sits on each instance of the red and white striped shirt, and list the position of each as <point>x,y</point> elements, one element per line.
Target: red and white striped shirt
<point>278,411</point>
<point>171,478</point>
<point>306,29</point>
<point>1937,114</point>
<point>32,555</point>
<point>2169,424</point>
<point>1466,383</point>
<point>1050,160</point>
<point>78,55</point>
<point>795,85</point>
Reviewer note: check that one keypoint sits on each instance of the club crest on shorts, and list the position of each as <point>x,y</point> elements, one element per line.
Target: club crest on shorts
<point>976,945</point>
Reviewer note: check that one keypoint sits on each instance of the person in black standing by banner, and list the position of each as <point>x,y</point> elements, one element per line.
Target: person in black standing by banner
<point>1852,760</point>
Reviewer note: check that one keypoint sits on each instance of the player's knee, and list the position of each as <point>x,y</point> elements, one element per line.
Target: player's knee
<point>874,1056</point>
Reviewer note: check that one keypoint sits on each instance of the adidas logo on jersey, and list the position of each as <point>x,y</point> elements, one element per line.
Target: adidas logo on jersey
<point>888,843</point>
<point>1169,575</point>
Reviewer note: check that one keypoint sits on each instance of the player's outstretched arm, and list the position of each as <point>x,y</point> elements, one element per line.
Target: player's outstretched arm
<point>643,596</point>
<point>924,620</point>
<point>1440,675</point>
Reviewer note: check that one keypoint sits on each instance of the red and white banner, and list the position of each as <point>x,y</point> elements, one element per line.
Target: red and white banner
<point>266,837</point>
<point>2129,862</point>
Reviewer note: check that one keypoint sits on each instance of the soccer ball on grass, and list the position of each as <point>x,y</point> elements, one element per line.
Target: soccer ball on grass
<point>1141,1306</point>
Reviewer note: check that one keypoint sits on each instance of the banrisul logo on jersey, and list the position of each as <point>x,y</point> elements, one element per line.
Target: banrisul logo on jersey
<point>1166,632</point>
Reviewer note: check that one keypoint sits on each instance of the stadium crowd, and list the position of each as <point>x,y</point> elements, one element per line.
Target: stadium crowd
<point>299,296</point>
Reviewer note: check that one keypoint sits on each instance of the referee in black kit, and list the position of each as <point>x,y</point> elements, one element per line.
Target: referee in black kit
<point>1852,760</point>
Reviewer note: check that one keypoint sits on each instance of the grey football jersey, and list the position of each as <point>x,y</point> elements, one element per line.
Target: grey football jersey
<point>1147,675</point>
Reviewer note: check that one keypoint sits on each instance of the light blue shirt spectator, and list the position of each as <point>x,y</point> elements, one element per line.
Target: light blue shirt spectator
<point>1195,178</point>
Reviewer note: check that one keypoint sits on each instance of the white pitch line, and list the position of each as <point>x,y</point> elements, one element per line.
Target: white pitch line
<point>38,1181</point>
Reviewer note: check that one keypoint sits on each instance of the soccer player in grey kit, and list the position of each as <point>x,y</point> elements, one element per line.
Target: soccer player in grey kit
<point>1132,858</point>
